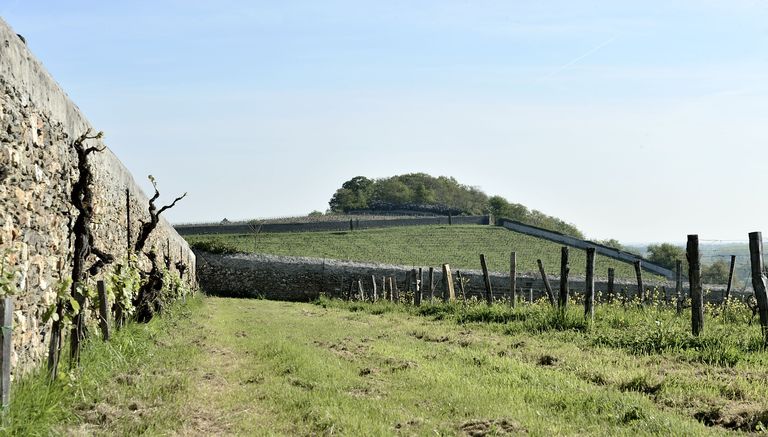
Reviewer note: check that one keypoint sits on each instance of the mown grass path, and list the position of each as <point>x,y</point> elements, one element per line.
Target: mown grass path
<point>257,367</point>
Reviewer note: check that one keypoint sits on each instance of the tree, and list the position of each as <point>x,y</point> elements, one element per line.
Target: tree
<point>420,192</point>
<point>353,194</point>
<point>614,243</point>
<point>665,254</point>
<point>498,207</point>
<point>715,273</point>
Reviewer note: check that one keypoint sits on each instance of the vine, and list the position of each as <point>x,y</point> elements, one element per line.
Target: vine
<point>124,283</point>
<point>150,298</point>
<point>81,198</point>
<point>8,276</point>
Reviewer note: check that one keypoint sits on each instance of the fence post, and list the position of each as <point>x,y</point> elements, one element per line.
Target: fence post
<point>758,280</point>
<point>384,288</point>
<point>730,280</point>
<point>431,285</point>
<point>679,285</point>
<point>694,278</point>
<point>448,283</point>
<point>611,290</point>
<point>103,310</point>
<point>416,291</point>
<point>375,290</point>
<point>513,277</point>
<point>360,289</point>
<point>461,286</point>
<point>564,270</point>
<point>487,280</point>
<point>589,286</point>
<point>396,292</point>
<point>6,322</point>
<point>421,284</point>
<point>351,225</point>
<point>639,275</point>
<point>391,290</point>
<point>547,287</point>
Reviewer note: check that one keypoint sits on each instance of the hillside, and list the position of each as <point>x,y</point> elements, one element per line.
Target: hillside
<point>425,246</point>
<point>420,192</point>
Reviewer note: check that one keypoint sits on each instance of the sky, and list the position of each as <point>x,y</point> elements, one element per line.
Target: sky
<point>640,121</point>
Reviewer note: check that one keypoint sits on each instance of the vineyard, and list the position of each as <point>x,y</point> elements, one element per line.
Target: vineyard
<point>416,246</point>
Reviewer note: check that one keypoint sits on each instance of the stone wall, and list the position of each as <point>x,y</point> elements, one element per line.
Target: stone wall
<point>304,279</point>
<point>361,222</point>
<point>600,249</point>
<point>38,166</point>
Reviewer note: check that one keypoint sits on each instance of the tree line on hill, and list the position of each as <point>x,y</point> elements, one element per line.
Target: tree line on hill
<point>667,254</point>
<point>422,193</point>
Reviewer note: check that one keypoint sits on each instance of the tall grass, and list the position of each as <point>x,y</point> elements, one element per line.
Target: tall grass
<point>41,406</point>
<point>728,337</point>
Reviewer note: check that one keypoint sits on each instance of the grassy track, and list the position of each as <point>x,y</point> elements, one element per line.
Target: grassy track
<point>253,367</point>
<point>459,246</point>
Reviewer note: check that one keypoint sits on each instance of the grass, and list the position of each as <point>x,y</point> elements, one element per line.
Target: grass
<point>135,384</point>
<point>253,367</point>
<point>434,245</point>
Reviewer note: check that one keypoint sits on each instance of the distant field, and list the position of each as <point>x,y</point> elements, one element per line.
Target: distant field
<point>459,246</point>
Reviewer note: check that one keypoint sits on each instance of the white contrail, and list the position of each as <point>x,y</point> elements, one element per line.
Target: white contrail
<point>579,58</point>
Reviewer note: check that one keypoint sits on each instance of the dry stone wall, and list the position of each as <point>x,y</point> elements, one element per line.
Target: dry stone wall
<point>38,166</point>
<point>304,279</point>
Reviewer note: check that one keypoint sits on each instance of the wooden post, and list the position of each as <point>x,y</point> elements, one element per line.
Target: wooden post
<point>391,290</point>
<point>679,285</point>
<point>639,275</point>
<point>448,283</point>
<point>564,271</point>
<point>168,262</point>
<point>396,290</point>
<point>513,277</point>
<point>694,278</point>
<point>461,286</point>
<point>758,280</point>
<point>103,310</point>
<point>360,289</point>
<point>351,225</point>
<point>730,280</point>
<point>384,288</point>
<point>375,290</point>
<point>487,280</point>
<point>530,295</point>
<point>431,285</point>
<point>611,287</point>
<point>450,221</point>
<point>415,283</point>
<point>589,286</point>
<point>420,285</point>
<point>547,287</point>
<point>6,323</point>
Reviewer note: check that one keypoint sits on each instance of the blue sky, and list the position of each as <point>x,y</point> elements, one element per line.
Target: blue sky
<point>642,121</point>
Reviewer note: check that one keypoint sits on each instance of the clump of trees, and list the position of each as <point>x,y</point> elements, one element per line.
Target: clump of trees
<point>420,192</point>
<point>499,207</point>
<point>667,254</point>
<point>413,192</point>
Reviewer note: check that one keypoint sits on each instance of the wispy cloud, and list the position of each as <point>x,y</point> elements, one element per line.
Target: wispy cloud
<point>581,57</point>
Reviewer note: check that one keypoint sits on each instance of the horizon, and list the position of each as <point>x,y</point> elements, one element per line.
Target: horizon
<point>634,122</point>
